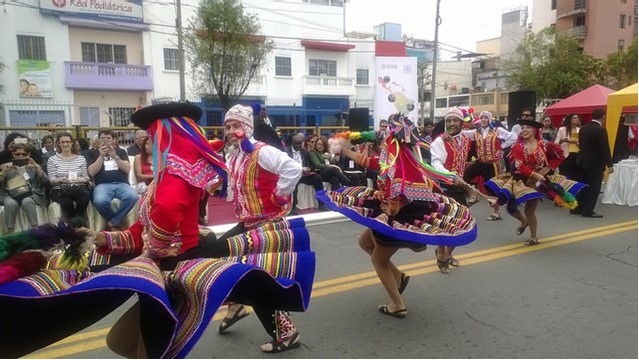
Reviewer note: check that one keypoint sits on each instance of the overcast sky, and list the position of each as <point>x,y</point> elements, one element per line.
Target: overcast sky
<point>464,22</point>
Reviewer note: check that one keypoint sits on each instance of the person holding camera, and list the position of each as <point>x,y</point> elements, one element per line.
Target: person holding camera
<point>109,165</point>
<point>70,181</point>
<point>23,184</point>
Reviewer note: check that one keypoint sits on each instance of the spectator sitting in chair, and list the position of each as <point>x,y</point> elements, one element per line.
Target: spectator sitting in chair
<point>300,155</point>
<point>138,145</point>
<point>16,138</point>
<point>352,171</point>
<point>22,182</point>
<point>109,166</point>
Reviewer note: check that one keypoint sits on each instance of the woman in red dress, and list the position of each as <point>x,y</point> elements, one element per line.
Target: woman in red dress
<point>534,161</point>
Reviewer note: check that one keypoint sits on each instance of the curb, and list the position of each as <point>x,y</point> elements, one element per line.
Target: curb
<point>315,219</point>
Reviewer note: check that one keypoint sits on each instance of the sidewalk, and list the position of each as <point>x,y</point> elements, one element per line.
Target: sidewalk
<point>221,216</point>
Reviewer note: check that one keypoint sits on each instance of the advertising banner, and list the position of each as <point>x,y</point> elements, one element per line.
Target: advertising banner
<point>122,10</point>
<point>396,88</point>
<point>35,79</point>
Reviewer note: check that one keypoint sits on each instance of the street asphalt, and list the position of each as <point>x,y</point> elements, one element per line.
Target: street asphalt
<point>573,296</point>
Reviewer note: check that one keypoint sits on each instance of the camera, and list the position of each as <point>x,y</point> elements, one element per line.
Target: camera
<point>20,162</point>
<point>20,140</point>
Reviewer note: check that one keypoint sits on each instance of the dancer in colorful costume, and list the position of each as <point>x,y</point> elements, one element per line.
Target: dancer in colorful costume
<point>449,152</point>
<point>489,141</point>
<point>262,180</point>
<point>404,213</point>
<point>178,283</point>
<point>534,161</point>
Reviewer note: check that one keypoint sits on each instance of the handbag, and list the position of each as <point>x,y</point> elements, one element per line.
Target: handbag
<point>18,188</point>
<point>75,189</point>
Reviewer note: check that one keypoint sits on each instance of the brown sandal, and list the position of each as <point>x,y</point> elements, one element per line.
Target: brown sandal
<point>442,264</point>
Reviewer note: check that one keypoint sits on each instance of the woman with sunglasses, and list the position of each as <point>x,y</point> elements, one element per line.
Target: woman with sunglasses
<point>23,184</point>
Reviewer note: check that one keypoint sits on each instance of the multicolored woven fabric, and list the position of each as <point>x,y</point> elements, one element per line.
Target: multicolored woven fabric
<point>176,306</point>
<point>451,223</point>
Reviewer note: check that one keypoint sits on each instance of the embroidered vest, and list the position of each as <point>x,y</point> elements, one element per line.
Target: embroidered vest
<point>457,149</point>
<point>252,189</point>
<point>488,148</point>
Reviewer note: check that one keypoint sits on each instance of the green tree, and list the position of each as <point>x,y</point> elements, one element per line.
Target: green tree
<point>225,49</point>
<point>621,67</point>
<point>551,64</point>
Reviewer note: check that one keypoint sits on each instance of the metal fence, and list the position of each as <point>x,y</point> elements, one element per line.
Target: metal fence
<point>126,135</point>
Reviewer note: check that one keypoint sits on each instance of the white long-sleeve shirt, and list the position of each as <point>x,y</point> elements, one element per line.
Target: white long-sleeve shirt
<point>438,153</point>
<point>506,136</point>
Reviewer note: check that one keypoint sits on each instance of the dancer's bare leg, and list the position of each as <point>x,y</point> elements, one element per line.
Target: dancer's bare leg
<point>367,243</point>
<point>383,267</point>
<point>125,338</point>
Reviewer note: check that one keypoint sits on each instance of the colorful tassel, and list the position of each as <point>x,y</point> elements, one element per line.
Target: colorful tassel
<point>21,265</point>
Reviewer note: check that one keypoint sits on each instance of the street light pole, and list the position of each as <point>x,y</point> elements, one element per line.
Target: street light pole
<point>178,25</point>
<point>432,85</point>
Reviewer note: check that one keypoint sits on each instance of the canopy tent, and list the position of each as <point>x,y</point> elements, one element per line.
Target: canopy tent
<point>581,103</point>
<point>622,101</point>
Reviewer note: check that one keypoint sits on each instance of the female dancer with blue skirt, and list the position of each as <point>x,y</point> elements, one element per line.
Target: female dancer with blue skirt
<point>534,161</point>
<point>405,212</point>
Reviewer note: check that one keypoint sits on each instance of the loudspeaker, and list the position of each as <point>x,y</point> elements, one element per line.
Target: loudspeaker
<point>358,119</point>
<point>518,100</point>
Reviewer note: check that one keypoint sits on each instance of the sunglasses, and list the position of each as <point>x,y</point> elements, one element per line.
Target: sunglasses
<point>20,154</point>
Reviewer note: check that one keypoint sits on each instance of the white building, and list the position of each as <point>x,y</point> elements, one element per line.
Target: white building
<point>95,67</point>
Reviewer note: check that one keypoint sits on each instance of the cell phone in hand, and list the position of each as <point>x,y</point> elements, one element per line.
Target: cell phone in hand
<point>20,162</point>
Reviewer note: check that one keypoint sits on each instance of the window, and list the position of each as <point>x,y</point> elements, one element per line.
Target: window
<point>553,4</point>
<point>362,77</point>
<point>120,115</point>
<point>483,99</point>
<point>35,117</point>
<point>322,67</point>
<point>459,101</point>
<point>441,103</point>
<point>103,53</point>
<point>90,116</point>
<point>31,48</point>
<point>629,20</point>
<point>282,66</point>
<point>622,21</point>
<point>620,45</point>
<point>580,4</point>
<point>580,20</point>
<point>171,59</point>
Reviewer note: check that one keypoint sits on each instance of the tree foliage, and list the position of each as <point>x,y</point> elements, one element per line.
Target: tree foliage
<point>225,50</point>
<point>621,67</point>
<point>552,64</point>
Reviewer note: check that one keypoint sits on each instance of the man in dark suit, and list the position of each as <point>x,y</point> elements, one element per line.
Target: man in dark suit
<point>300,155</point>
<point>592,159</point>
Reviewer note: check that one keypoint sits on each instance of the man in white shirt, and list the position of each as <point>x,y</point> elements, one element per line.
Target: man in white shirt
<point>449,152</point>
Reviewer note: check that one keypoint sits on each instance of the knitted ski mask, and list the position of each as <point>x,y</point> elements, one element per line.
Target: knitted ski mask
<point>244,115</point>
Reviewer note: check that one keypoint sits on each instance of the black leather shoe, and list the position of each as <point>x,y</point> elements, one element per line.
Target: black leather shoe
<point>575,212</point>
<point>593,215</point>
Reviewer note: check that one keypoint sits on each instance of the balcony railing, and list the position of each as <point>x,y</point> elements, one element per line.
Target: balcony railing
<point>578,31</point>
<point>99,76</point>
<point>578,10</point>
<point>329,85</point>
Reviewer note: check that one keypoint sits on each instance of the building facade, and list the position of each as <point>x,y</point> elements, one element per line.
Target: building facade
<point>602,27</point>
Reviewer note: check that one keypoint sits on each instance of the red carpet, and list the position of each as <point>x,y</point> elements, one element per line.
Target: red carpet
<point>222,212</point>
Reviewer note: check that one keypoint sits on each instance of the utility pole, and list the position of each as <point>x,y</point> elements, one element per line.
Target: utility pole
<point>178,25</point>
<point>432,86</point>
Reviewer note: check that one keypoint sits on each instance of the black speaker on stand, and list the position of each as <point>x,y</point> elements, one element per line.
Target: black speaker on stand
<point>518,100</point>
<point>358,119</point>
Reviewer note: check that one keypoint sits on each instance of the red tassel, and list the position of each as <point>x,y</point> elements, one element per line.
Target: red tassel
<point>21,265</point>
